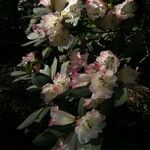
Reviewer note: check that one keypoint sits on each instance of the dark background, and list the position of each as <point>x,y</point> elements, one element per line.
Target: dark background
<point>129,130</point>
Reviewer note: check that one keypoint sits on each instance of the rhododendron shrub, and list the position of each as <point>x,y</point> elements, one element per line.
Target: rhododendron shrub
<point>78,71</point>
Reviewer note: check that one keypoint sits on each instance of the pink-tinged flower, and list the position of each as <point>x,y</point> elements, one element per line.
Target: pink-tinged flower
<point>72,11</point>
<point>110,21</point>
<point>62,80</point>
<point>51,23</point>
<point>30,57</point>
<point>79,80</point>
<point>59,117</point>
<point>102,85</point>
<point>89,126</point>
<point>77,61</point>
<point>50,91</point>
<point>125,10</point>
<point>54,30</point>
<point>95,9</point>
<point>45,2</point>
<point>91,102</point>
<point>93,68</point>
<point>109,61</point>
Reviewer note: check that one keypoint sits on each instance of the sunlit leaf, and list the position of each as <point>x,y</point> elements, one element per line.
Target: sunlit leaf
<point>64,67</point>
<point>36,116</point>
<point>18,73</point>
<point>53,68</point>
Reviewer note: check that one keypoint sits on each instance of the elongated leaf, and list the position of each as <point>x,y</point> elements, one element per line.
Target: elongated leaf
<point>81,108</point>
<point>28,43</point>
<point>64,67</point>
<point>46,70</point>
<point>42,114</point>
<point>51,134</point>
<point>25,77</point>
<point>33,36</point>
<point>54,68</point>
<point>79,92</point>
<point>39,41</point>
<point>18,73</point>
<point>30,119</point>
<point>41,11</point>
<point>46,52</point>
<point>40,79</point>
<point>32,88</point>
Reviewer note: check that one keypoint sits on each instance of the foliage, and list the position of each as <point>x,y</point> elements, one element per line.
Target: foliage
<point>82,68</point>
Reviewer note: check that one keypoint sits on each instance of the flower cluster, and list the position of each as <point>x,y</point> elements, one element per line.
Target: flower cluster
<point>53,17</point>
<point>83,74</point>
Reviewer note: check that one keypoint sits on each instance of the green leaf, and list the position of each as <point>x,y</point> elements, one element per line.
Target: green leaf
<point>120,95</point>
<point>53,68</point>
<point>81,108</point>
<point>105,106</point>
<point>45,139</point>
<point>32,88</point>
<point>79,92</point>
<point>18,73</point>
<point>28,68</point>
<point>25,77</point>
<point>39,114</point>
<point>40,79</point>
<point>64,67</point>
<point>51,134</point>
<point>41,11</point>
<point>42,114</point>
<point>46,52</point>
<point>46,70</point>
<point>28,43</point>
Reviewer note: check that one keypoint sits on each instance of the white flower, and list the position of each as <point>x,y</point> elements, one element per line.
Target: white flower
<point>125,10</point>
<point>59,117</point>
<point>62,80</point>
<point>54,30</point>
<point>89,126</point>
<point>72,11</point>
<point>109,61</point>
<point>50,23</point>
<point>50,91</point>
<point>45,2</point>
<point>95,9</point>
<point>102,85</point>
